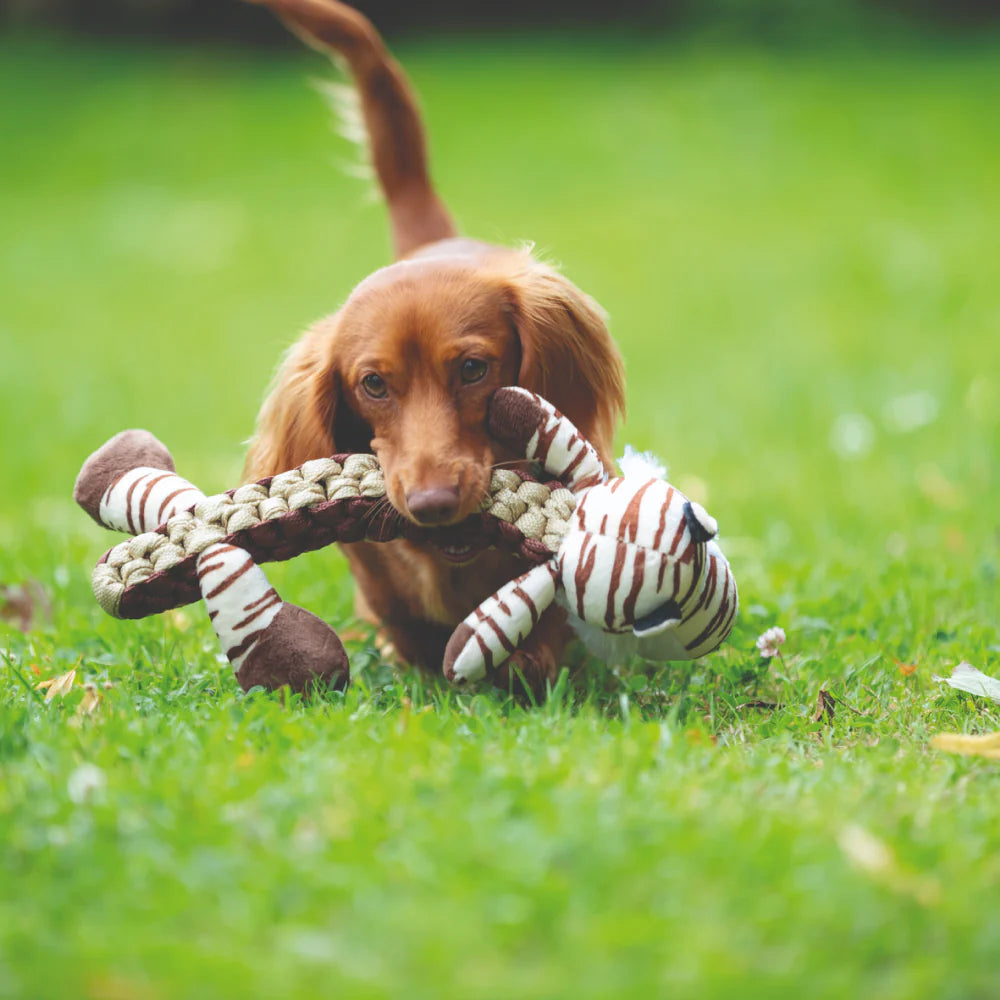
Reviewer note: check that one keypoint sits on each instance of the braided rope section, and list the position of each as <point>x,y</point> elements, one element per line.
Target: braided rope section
<point>339,499</point>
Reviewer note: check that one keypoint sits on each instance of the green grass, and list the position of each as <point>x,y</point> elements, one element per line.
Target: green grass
<point>787,244</point>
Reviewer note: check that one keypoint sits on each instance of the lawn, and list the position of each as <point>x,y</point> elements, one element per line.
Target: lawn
<point>799,254</point>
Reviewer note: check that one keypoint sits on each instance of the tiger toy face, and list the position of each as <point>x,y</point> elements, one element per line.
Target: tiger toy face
<point>634,557</point>
<point>637,571</point>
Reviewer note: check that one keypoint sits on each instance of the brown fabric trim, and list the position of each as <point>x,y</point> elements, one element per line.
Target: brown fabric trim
<point>458,641</point>
<point>347,520</point>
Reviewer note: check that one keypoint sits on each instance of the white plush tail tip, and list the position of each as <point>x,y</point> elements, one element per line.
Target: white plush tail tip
<point>641,465</point>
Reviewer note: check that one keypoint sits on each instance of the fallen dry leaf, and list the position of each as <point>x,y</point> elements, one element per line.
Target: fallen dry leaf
<point>826,705</point>
<point>61,685</point>
<point>865,850</point>
<point>89,703</point>
<point>868,854</point>
<point>987,745</point>
<point>965,677</point>
<point>954,539</point>
<point>111,986</point>
<point>23,603</point>
<point>91,699</point>
<point>699,738</point>
<point>938,488</point>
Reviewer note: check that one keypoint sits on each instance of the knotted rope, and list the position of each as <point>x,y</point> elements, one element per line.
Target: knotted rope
<point>339,499</point>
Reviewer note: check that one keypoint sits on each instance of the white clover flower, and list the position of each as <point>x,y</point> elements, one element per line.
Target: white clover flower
<point>769,643</point>
<point>852,436</point>
<point>85,783</point>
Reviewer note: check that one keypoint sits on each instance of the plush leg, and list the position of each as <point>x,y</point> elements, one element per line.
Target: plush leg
<point>533,427</point>
<point>267,641</point>
<point>494,630</point>
<point>129,485</point>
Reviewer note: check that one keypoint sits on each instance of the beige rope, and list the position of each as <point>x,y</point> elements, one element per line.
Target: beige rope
<point>537,511</point>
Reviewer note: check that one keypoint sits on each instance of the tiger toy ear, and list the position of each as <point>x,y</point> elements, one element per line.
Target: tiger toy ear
<point>488,636</point>
<point>701,524</point>
<point>533,427</point>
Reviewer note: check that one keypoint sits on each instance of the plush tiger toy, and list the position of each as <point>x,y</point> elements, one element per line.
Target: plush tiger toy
<point>638,571</point>
<point>631,558</point>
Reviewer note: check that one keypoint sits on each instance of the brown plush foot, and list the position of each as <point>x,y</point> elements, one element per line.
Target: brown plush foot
<point>297,649</point>
<point>456,644</point>
<point>124,452</point>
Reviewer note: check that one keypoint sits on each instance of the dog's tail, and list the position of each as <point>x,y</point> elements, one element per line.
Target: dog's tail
<point>392,119</point>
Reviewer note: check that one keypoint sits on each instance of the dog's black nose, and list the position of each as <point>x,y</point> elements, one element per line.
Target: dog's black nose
<point>437,506</point>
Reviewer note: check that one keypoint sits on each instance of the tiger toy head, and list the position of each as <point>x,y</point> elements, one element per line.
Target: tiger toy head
<point>637,570</point>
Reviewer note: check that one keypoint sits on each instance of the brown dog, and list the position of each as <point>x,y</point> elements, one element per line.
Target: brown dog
<point>406,367</point>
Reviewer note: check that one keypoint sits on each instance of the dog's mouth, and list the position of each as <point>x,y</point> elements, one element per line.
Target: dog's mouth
<point>460,552</point>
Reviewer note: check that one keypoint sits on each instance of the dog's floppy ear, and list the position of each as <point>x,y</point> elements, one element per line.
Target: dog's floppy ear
<point>303,416</point>
<point>567,354</point>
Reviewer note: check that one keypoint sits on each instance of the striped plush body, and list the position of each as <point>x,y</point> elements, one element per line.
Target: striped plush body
<point>241,603</point>
<point>638,571</point>
<point>129,485</point>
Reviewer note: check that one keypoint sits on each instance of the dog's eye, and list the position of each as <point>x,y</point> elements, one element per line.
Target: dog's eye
<point>375,386</point>
<point>473,370</point>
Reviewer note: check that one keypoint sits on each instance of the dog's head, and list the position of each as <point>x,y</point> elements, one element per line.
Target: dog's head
<point>405,370</point>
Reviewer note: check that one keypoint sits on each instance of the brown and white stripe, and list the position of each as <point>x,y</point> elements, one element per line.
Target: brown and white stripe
<point>641,561</point>
<point>488,636</point>
<point>129,485</point>
<point>709,616</point>
<point>241,602</point>
<point>142,499</point>
<point>526,420</point>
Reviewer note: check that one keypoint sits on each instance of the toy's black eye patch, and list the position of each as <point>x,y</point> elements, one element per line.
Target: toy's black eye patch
<point>658,619</point>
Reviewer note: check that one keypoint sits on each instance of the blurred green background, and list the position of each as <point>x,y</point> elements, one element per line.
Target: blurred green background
<point>796,246</point>
<point>791,214</point>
